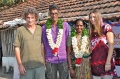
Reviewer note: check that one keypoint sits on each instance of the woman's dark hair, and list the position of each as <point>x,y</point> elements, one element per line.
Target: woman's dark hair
<point>84,23</point>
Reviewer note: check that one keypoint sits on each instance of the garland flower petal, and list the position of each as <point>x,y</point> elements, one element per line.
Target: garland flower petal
<point>54,46</point>
<point>84,42</point>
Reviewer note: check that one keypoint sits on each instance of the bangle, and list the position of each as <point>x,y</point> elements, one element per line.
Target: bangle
<point>70,67</point>
<point>107,64</point>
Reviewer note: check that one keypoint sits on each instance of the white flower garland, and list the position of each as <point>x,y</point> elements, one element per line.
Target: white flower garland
<point>84,42</point>
<point>50,40</point>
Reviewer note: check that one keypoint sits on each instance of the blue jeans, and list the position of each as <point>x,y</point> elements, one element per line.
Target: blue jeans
<point>62,68</point>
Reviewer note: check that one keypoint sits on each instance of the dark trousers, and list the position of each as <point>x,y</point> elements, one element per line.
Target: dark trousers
<point>62,68</point>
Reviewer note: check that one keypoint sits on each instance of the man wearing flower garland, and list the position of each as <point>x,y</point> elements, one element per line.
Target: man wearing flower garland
<point>54,35</point>
<point>27,47</point>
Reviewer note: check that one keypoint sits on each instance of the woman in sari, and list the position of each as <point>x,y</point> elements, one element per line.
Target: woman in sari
<point>79,52</point>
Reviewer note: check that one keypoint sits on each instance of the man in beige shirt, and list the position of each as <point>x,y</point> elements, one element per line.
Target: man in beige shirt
<point>27,45</point>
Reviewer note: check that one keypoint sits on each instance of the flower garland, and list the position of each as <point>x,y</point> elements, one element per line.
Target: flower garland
<point>53,45</point>
<point>84,42</point>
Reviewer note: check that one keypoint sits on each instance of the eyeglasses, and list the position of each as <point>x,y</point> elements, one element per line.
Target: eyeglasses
<point>53,14</point>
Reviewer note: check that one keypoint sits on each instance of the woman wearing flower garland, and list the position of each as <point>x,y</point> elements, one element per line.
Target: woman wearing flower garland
<point>78,48</point>
<point>102,64</point>
<point>54,35</point>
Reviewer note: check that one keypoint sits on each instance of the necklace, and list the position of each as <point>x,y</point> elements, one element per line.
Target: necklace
<point>78,41</point>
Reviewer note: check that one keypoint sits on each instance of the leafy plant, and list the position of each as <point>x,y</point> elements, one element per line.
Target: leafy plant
<point>9,2</point>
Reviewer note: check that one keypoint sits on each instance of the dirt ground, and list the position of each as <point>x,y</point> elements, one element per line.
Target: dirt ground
<point>5,76</point>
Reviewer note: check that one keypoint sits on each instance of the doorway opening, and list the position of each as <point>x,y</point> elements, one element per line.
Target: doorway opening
<point>0,52</point>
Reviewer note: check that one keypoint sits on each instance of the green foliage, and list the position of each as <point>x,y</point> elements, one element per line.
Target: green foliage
<point>9,2</point>
<point>84,32</point>
<point>73,32</point>
<point>49,23</point>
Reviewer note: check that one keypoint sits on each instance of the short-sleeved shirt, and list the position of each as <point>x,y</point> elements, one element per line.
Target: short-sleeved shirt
<point>62,54</point>
<point>100,53</point>
<point>30,46</point>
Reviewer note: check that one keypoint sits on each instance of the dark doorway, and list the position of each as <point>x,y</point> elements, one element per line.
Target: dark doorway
<point>0,52</point>
<point>1,56</point>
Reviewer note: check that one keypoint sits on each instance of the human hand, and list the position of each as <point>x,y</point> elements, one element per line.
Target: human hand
<point>107,67</point>
<point>22,69</point>
<point>72,73</point>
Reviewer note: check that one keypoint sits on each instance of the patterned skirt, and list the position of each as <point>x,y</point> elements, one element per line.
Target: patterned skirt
<point>84,70</point>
